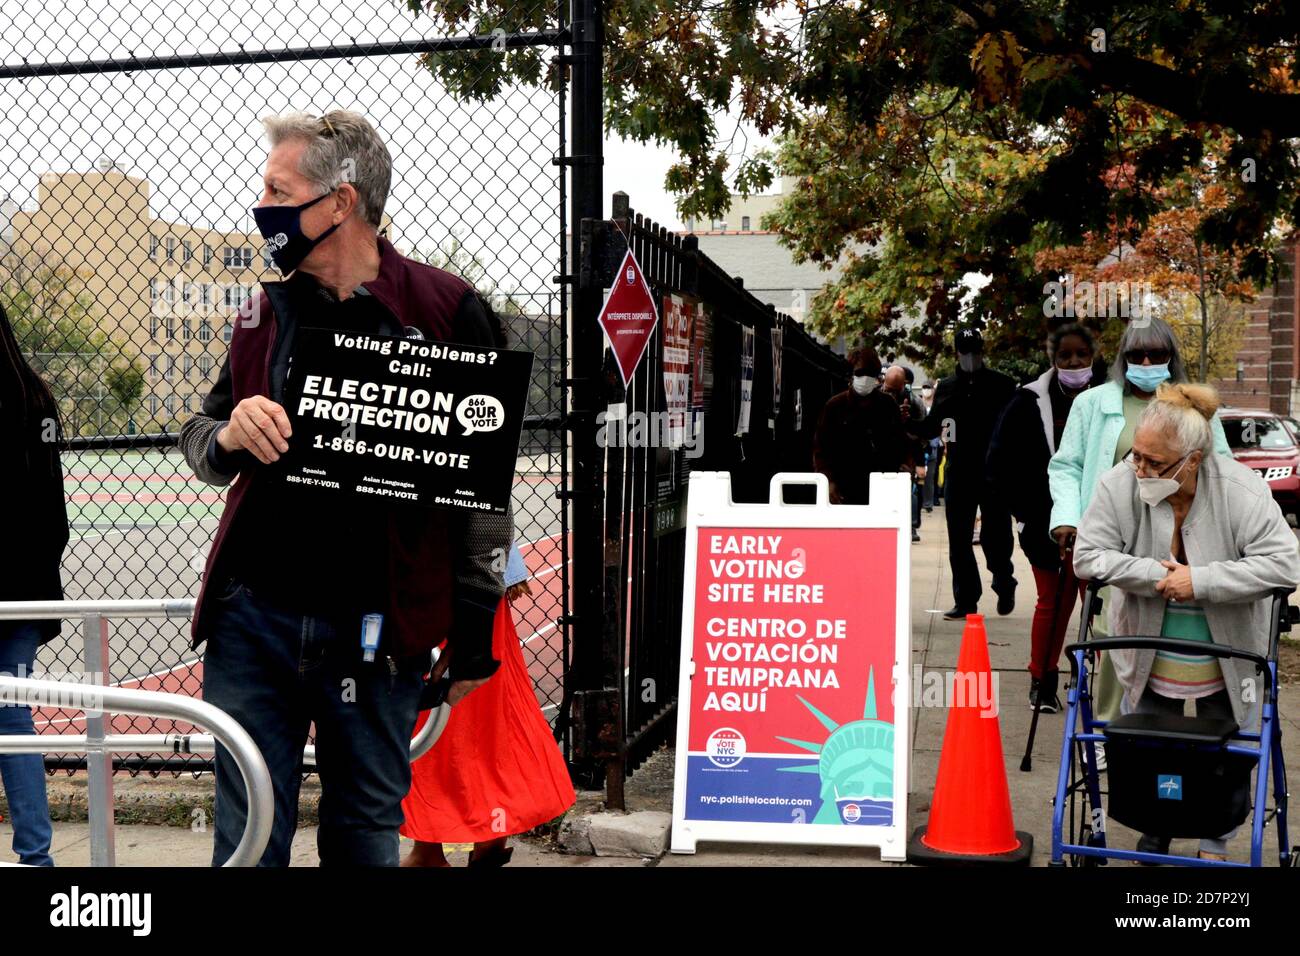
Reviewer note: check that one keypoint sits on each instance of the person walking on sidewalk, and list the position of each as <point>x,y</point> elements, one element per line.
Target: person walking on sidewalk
<point>496,770</point>
<point>1098,434</point>
<point>966,407</point>
<point>1197,544</point>
<point>33,534</point>
<point>860,431</point>
<point>897,384</point>
<point>1026,435</point>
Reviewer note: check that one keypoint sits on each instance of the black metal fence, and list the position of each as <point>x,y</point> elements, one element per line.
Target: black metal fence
<point>130,155</point>
<point>626,707</point>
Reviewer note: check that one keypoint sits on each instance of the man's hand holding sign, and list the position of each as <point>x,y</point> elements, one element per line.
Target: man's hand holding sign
<point>257,425</point>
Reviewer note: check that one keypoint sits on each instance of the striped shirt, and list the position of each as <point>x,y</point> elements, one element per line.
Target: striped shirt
<point>1185,676</point>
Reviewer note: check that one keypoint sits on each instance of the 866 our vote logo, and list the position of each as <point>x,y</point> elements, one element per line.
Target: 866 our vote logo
<point>725,747</point>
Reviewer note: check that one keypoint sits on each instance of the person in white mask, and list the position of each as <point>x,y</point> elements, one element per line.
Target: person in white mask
<point>1197,544</point>
<point>860,430</point>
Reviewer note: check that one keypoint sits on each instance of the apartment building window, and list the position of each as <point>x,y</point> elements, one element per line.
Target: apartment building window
<point>188,248</point>
<point>744,223</point>
<point>237,257</point>
<point>168,292</point>
<point>205,366</point>
<point>227,331</point>
<point>153,405</point>
<point>169,404</point>
<point>153,247</point>
<point>267,261</point>
<point>207,253</point>
<point>205,331</point>
<point>153,326</point>
<point>236,295</point>
<point>169,323</point>
<point>189,402</point>
<point>155,292</point>
<point>171,247</point>
<point>169,367</point>
<point>153,365</point>
<point>187,366</point>
<point>187,331</point>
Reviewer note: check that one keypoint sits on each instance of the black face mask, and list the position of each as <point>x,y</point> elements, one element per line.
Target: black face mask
<point>281,227</point>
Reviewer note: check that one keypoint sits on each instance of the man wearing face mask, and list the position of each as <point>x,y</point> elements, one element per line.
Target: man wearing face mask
<point>860,431</point>
<point>966,408</point>
<point>296,587</point>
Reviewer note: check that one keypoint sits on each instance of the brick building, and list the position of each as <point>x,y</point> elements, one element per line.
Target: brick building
<point>1269,360</point>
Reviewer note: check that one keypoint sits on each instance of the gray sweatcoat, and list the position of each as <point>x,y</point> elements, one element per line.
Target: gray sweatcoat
<point>1237,543</point>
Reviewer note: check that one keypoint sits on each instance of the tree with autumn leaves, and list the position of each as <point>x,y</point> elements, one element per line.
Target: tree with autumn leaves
<point>932,139</point>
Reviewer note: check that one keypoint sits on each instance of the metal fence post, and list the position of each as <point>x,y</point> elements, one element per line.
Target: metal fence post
<point>99,762</point>
<point>595,698</point>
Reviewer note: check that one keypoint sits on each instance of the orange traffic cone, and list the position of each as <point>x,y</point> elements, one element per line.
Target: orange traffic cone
<point>970,814</point>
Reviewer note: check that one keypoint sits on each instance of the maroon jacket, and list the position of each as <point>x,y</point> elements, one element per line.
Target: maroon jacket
<point>436,568</point>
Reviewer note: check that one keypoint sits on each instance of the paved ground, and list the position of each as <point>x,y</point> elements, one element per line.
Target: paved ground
<point>935,647</point>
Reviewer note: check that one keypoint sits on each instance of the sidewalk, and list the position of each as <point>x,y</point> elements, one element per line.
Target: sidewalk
<point>935,646</point>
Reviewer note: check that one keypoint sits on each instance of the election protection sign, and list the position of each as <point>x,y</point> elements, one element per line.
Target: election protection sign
<point>796,636</point>
<point>383,418</point>
<point>628,316</point>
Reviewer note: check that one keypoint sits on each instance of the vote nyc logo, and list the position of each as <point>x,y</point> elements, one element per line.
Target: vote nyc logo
<point>725,747</point>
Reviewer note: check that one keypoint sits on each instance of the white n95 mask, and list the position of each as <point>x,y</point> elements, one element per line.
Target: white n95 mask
<point>1155,490</point>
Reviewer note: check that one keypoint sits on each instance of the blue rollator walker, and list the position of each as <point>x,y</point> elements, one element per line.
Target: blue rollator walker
<point>1168,776</point>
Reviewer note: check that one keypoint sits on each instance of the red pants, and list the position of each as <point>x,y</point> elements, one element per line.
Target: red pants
<point>1043,613</point>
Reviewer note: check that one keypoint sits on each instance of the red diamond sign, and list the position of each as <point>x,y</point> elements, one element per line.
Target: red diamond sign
<point>629,316</point>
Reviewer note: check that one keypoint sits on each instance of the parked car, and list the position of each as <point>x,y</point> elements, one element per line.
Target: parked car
<point>1270,445</point>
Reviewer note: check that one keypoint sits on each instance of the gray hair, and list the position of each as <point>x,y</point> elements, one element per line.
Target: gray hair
<point>1182,413</point>
<point>1147,332</point>
<point>341,147</point>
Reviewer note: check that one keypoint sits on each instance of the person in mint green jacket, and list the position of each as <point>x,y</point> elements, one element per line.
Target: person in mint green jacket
<point>1098,434</point>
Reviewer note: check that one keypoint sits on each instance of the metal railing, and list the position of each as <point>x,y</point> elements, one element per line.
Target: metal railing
<point>23,691</point>
<point>98,698</point>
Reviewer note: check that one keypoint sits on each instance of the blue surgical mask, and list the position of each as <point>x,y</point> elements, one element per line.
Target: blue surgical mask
<point>1147,377</point>
<point>281,227</point>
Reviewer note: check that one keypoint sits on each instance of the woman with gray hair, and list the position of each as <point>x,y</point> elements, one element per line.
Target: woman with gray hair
<point>1197,544</point>
<point>1098,434</point>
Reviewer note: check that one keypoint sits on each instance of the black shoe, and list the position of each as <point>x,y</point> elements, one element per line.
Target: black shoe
<point>1051,702</point>
<point>499,858</point>
<point>957,614</point>
<point>1152,844</point>
<point>1007,599</point>
<point>916,536</point>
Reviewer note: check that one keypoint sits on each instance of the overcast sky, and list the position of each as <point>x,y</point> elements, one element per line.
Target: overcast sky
<point>482,172</point>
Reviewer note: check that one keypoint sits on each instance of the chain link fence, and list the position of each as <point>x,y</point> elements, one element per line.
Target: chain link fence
<point>130,156</point>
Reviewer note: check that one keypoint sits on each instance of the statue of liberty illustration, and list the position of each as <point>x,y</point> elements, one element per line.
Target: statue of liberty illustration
<point>855,764</point>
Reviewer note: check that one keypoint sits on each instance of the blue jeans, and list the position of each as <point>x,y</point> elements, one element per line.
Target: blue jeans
<point>276,671</point>
<point>23,774</point>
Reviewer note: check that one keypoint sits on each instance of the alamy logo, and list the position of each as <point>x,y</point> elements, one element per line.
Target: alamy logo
<point>1169,786</point>
<point>74,908</point>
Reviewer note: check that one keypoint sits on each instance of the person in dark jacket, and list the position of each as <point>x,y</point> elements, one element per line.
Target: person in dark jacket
<point>33,534</point>
<point>1026,437</point>
<point>897,384</point>
<point>860,431</point>
<point>966,407</point>
<point>290,578</point>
